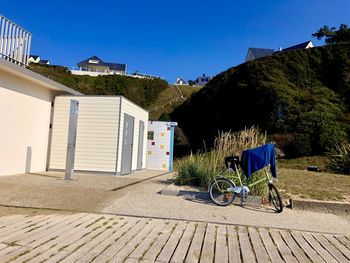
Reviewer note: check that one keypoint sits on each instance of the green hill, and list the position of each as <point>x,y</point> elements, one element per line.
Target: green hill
<point>142,91</point>
<point>301,98</point>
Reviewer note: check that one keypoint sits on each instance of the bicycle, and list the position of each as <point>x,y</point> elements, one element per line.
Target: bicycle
<point>223,190</point>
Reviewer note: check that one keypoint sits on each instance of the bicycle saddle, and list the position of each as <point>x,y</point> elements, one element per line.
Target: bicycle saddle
<point>231,161</point>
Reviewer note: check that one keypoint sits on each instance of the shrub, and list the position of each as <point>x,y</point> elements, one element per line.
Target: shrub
<point>200,169</point>
<point>339,158</point>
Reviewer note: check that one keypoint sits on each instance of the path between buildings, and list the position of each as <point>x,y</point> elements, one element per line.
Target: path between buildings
<point>40,236</point>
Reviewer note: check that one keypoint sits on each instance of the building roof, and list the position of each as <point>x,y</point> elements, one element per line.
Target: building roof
<point>34,56</point>
<point>44,61</point>
<point>180,81</point>
<point>258,53</point>
<point>298,46</point>
<point>30,75</point>
<point>101,63</point>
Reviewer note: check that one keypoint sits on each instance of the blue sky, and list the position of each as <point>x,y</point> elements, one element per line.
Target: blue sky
<point>170,38</point>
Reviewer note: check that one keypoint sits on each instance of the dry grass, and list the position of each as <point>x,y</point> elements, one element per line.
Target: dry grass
<point>199,169</point>
<point>312,185</point>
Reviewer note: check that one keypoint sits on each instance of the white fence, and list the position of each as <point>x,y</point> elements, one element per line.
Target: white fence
<point>14,42</point>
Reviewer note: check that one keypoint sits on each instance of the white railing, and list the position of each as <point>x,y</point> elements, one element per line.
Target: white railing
<point>14,42</point>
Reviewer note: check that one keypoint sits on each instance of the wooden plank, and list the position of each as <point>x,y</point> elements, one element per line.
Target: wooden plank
<point>118,231</point>
<point>343,240</point>
<point>72,237</point>
<point>103,229</point>
<point>221,246</point>
<point>297,251</point>
<point>124,239</point>
<point>147,242</point>
<point>269,245</point>
<point>234,254</point>
<point>170,246</point>
<point>310,252</point>
<point>134,242</point>
<point>185,241</point>
<point>282,247</point>
<point>246,247</point>
<point>34,228</point>
<point>157,246</point>
<point>320,250</point>
<point>335,242</point>
<point>208,244</point>
<point>258,246</point>
<point>71,247</point>
<point>330,248</point>
<point>194,251</point>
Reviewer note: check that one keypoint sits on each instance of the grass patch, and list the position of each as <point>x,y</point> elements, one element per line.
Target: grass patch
<point>311,185</point>
<point>303,162</point>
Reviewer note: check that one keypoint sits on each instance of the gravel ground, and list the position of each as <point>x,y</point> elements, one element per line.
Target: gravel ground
<point>91,193</point>
<point>145,200</point>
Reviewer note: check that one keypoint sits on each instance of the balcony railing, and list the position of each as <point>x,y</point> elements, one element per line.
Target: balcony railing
<point>14,42</point>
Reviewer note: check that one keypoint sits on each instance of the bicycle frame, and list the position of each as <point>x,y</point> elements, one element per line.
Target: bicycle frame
<point>237,176</point>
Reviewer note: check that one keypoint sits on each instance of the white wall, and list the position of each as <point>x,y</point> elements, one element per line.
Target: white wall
<point>24,125</point>
<point>97,133</point>
<point>138,113</point>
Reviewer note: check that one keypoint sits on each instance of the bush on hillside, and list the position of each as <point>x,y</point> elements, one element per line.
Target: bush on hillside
<point>141,91</point>
<point>303,93</point>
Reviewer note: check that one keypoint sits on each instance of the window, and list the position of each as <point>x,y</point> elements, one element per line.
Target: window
<point>150,135</point>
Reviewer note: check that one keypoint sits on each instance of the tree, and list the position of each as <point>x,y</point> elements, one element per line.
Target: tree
<point>192,82</point>
<point>332,35</point>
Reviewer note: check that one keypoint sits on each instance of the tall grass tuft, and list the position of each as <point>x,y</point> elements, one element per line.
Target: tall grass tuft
<point>199,169</point>
<point>339,158</point>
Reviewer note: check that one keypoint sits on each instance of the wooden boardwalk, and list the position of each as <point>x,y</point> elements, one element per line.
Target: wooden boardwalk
<point>86,237</point>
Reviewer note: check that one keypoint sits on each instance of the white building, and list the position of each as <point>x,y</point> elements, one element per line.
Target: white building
<point>180,81</point>
<point>34,59</point>
<point>160,145</point>
<point>25,112</point>
<point>39,125</point>
<point>110,137</point>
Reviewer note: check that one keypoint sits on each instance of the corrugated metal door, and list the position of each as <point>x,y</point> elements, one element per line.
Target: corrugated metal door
<point>140,151</point>
<point>128,137</point>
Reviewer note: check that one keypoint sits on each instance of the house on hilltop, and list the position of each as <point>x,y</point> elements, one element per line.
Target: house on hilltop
<point>254,53</point>
<point>203,80</point>
<point>37,60</point>
<point>95,66</point>
<point>305,45</point>
<point>180,81</point>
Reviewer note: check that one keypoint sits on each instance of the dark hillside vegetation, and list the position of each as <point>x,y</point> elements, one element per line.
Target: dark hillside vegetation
<point>301,98</point>
<point>141,91</point>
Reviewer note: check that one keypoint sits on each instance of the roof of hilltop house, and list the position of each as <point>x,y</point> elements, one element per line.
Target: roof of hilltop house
<point>254,53</point>
<point>304,45</point>
<point>34,56</point>
<point>96,61</point>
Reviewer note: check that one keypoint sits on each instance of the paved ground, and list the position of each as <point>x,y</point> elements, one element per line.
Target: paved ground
<point>41,236</point>
<point>49,190</point>
<point>91,193</point>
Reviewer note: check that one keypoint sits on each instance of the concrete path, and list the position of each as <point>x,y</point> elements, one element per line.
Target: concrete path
<point>98,194</point>
<point>84,237</point>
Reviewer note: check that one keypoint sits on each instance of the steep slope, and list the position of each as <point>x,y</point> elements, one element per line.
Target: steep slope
<point>303,96</point>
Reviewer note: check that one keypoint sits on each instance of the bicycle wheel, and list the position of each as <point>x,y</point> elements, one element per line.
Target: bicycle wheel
<point>220,191</point>
<point>275,198</point>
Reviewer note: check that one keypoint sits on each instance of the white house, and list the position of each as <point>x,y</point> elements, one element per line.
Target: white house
<point>180,81</point>
<point>34,59</point>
